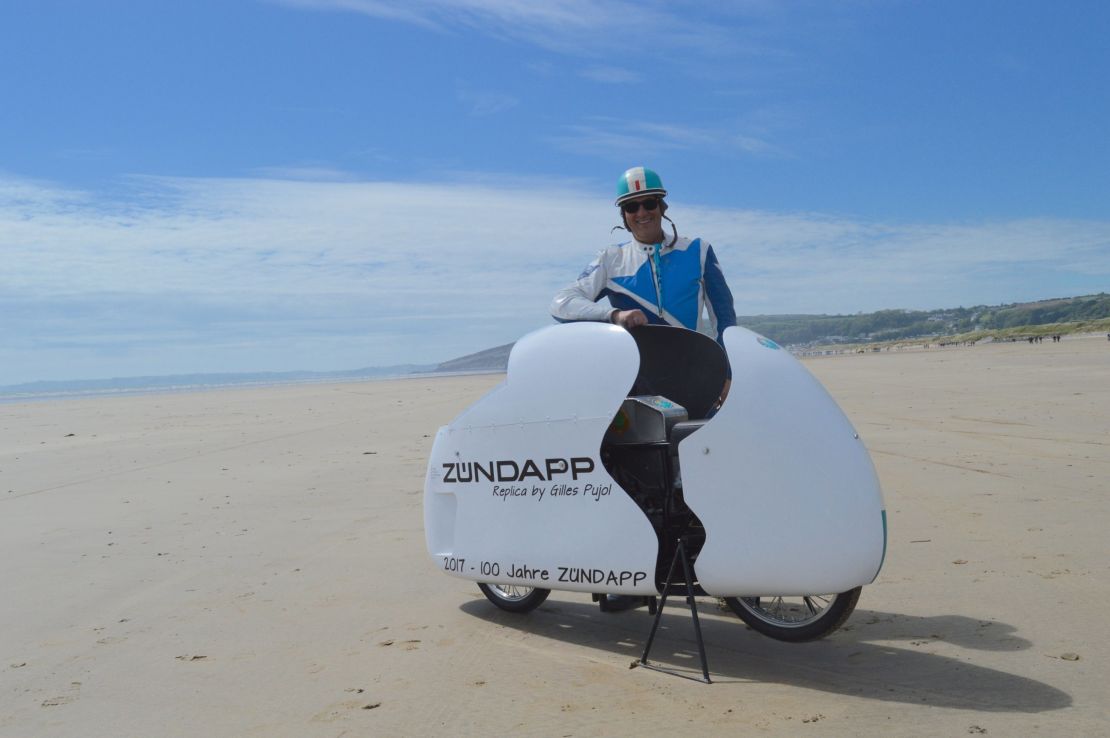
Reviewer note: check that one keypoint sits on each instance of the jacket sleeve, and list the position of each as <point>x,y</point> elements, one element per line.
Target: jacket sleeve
<point>718,294</point>
<point>578,301</point>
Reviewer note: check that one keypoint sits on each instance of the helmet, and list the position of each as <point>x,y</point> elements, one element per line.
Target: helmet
<point>639,181</point>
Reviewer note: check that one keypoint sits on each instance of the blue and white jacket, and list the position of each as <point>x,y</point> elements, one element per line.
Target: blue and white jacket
<point>684,287</point>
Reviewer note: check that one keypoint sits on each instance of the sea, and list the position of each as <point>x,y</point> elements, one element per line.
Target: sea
<point>133,386</point>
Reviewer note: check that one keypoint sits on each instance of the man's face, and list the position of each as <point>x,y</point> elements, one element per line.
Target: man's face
<point>646,225</point>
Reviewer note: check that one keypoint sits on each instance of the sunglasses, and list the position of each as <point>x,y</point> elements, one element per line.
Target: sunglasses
<point>634,206</point>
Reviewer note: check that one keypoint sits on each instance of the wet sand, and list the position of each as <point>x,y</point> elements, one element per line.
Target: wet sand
<point>251,563</point>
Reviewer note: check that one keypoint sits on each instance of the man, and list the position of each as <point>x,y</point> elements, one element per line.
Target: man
<point>651,279</point>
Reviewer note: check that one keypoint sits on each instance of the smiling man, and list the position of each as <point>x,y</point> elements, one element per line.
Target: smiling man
<point>651,279</point>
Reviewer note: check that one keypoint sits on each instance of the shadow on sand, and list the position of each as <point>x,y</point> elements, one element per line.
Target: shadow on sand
<point>857,660</point>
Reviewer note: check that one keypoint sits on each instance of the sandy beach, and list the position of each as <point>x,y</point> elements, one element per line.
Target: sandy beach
<point>252,563</point>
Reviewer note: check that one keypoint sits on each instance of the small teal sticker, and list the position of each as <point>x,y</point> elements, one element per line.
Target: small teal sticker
<point>767,342</point>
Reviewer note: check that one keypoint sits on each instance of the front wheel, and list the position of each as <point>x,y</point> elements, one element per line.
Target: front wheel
<point>514,598</point>
<point>796,619</point>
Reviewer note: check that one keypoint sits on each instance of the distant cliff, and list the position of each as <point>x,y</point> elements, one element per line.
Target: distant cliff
<point>491,360</point>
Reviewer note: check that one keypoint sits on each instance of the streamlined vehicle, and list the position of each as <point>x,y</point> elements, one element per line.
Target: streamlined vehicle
<point>605,451</point>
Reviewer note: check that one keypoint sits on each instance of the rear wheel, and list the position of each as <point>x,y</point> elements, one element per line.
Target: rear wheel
<point>513,597</point>
<point>796,619</point>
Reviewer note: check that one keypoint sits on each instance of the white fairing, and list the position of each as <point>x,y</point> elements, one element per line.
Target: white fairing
<point>551,516</point>
<point>783,485</point>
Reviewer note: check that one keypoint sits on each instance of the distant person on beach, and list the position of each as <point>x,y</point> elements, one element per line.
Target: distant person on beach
<point>655,278</point>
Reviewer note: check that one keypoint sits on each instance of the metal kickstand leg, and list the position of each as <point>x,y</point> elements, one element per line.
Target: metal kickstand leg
<point>679,554</point>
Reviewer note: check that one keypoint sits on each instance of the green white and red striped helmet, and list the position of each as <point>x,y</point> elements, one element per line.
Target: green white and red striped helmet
<point>637,182</point>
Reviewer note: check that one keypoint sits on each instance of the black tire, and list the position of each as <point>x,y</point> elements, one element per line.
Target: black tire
<point>514,598</point>
<point>796,619</point>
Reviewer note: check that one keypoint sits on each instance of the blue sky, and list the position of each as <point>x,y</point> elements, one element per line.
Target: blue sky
<point>328,184</point>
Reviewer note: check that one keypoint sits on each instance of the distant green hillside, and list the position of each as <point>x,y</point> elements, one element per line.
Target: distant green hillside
<point>892,325</point>
<point>1066,315</point>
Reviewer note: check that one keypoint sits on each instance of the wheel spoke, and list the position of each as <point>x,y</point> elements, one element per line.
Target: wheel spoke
<point>514,597</point>
<point>795,618</point>
<point>789,612</point>
<point>512,591</point>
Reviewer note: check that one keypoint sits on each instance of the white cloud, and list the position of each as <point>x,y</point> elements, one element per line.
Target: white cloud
<point>570,26</point>
<point>617,137</point>
<point>755,146</point>
<point>307,172</point>
<point>181,275</point>
<point>807,263</point>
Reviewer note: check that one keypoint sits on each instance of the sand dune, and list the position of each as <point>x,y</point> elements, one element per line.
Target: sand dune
<point>251,563</point>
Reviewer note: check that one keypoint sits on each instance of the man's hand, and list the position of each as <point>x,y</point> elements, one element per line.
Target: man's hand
<point>629,318</point>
